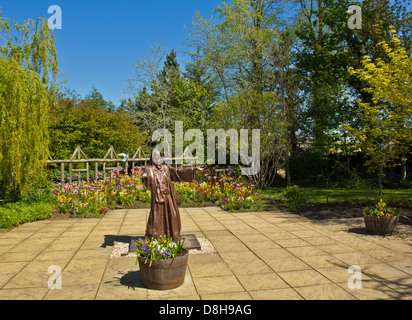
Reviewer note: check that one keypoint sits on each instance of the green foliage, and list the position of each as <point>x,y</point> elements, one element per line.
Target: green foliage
<point>294,197</point>
<point>193,104</point>
<point>387,122</point>
<point>14,214</point>
<point>39,189</point>
<point>161,96</point>
<point>320,63</point>
<point>241,55</point>
<point>327,49</point>
<point>24,109</point>
<point>27,61</point>
<point>30,45</point>
<point>89,123</point>
<point>97,100</point>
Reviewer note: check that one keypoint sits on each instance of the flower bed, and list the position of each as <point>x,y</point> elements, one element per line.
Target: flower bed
<point>230,190</point>
<point>94,198</point>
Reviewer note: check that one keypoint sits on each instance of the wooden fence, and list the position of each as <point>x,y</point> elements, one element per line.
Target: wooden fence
<point>139,160</point>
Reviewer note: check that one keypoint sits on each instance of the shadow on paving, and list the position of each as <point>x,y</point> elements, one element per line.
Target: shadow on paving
<point>131,280</point>
<point>109,240</point>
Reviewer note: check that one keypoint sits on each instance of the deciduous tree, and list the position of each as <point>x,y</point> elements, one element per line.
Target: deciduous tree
<point>386,134</point>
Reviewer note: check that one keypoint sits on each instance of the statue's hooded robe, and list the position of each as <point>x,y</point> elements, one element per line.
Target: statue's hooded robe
<point>164,218</point>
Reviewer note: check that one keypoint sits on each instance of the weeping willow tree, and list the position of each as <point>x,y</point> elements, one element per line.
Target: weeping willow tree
<point>23,130</point>
<point>27,62</point>
<point>31,44</point>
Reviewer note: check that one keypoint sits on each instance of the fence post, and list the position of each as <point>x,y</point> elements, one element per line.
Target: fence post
<point>70,172</point>
<point>96,176</point>
<point>61,172</point>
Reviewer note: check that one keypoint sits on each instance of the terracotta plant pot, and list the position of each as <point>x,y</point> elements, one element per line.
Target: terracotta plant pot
<point>164,274</point>
<point>381,225</point>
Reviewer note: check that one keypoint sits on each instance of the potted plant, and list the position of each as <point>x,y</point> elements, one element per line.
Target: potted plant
<point>162,262</point>
<point>380,219</point>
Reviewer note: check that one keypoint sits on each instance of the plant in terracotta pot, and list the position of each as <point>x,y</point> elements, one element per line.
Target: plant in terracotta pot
<point>380,219</point>
<point>162,262</point>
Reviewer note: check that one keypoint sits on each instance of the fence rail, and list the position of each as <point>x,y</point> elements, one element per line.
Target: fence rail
<point>113,159</point>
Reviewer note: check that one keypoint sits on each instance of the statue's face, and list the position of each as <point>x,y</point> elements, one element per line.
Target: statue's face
<point>157,158</point>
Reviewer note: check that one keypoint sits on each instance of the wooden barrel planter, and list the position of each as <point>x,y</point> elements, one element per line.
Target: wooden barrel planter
<point>381,225</point>
<point>164,274</point>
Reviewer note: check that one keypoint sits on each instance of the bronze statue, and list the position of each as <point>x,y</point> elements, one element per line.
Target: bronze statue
<point>164,218</point>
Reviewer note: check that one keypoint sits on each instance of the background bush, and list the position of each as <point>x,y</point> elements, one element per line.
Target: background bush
<point>14,214</point>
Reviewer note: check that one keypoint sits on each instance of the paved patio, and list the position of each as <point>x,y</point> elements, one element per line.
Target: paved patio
<point>261,255</point>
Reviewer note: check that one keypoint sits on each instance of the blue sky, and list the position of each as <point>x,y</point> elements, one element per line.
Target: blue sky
<point>100,39</point>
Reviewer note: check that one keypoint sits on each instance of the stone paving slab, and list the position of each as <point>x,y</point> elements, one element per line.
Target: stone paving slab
<point>271,255</point>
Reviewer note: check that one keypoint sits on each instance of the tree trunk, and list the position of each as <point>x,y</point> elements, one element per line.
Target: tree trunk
<point>287,167</point>
<point>380,175</point>
<point>403,174</point>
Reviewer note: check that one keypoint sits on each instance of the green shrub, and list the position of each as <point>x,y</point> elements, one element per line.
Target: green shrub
<point>294,196</point>
<point>14,214</point>
<point>39,190</point>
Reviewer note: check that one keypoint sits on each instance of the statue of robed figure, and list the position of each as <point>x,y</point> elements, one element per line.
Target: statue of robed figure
<point>164,218</point>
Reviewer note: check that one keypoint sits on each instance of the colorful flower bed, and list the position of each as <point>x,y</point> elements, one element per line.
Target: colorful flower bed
<point>94,198</point>
<point>232,191</point>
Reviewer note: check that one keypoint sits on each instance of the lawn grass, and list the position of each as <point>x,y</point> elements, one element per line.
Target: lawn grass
<point>323,195</point>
